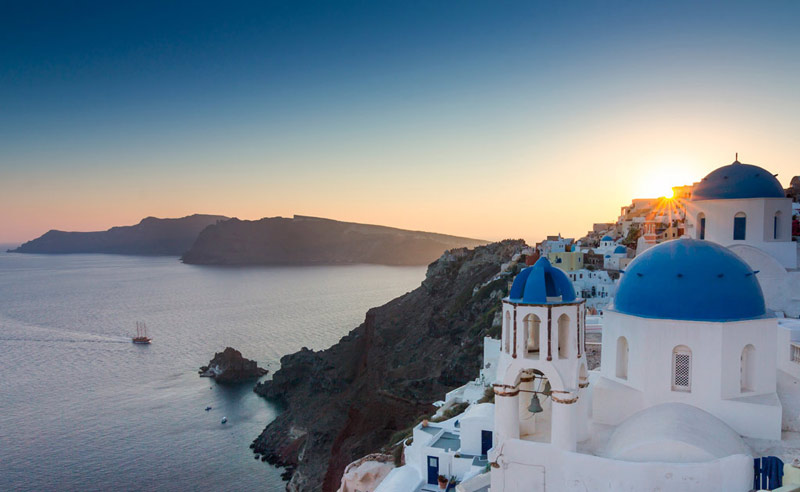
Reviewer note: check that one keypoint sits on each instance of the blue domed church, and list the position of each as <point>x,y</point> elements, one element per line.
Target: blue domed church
<point>689,324</point>
<point>688,372</point>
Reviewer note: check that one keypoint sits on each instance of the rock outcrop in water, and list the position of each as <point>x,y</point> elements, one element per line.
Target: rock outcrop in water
<point>309,240</point>
<point>347,401</point>
<point>229,366</point>
<point>151,236</point>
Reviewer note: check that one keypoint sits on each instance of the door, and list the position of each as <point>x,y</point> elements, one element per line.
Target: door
<point>433,470</point>
<point>486,441</point>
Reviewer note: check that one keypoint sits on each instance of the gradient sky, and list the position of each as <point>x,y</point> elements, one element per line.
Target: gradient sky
<point>483,119</point>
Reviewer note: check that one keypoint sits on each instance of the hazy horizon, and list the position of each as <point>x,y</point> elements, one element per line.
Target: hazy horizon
<point>466,118</point>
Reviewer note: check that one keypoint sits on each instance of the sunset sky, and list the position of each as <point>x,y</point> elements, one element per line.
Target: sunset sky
<point>482,119</point>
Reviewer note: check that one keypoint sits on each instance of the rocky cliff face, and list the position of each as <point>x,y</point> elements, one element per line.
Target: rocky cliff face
<point>311,240</point>
<point>151,236</point>
<point>229,366</point>
<point>347,401</point>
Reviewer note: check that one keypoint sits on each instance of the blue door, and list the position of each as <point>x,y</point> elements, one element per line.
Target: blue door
<point>486,441</point>
<point>433,469</point>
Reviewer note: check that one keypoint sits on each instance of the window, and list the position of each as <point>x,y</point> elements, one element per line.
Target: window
<point>622,358</point>
<point>795,354</point>
<point>739,226</point>
<point>747,369</point>
<point>563,336</point>
<point>701,219</point>
<point>776,226</point>
<point>681,369</point>
<point>532,324</point>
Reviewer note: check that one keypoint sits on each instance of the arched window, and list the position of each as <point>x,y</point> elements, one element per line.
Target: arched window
<point>532,325</point>
<point>563,336</point>
<point>507,332</point>
<point>701,225</point>
<point>776,225</point>
<point>748,368</point>
<point>622,358</point>
<point>681,368</point>
<point>739,226</point>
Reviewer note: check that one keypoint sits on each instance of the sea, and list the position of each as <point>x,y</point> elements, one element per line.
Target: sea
<point>83,408</point>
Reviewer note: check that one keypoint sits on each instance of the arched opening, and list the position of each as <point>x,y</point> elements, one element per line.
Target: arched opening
<point>533,404</point>
<point>739,226</point>
<point>563,336</point>
<point>748,368</point>
<point>532,332</point>
<point>776,225</point>
<point>681,368</point>
<point>622,358</point>
<point>701,225</point>
<point>507,332</point>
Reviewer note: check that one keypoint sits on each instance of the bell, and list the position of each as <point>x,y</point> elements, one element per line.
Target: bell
<point>535,406</point>
<point>547,389</point>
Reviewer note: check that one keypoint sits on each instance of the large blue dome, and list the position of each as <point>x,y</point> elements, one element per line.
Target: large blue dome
<point>690,279</point>
<point>537,283</point>
<point>738,180</point>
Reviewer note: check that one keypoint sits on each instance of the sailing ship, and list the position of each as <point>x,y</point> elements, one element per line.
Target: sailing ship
<point>141,333</point>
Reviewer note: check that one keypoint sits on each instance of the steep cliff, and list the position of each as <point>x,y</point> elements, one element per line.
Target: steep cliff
<point>310,240</point>
<point>347,401</point>
<point>151,236</point>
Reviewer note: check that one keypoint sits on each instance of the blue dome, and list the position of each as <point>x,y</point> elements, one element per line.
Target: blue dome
<point>537,283</point>
<point>606,238</point>
<point>620,249</point>
<point>690,279</point>
<point>738,180</point>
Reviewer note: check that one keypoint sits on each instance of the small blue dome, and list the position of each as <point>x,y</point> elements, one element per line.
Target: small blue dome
<point>738,180</point>
<point>606,238</point>
<point>690,279</point>
<point>620,249</point>
<point>537,283</point>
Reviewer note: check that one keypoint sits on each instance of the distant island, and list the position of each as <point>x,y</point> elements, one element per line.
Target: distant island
<point>310,240</point>
<point>150,237</point>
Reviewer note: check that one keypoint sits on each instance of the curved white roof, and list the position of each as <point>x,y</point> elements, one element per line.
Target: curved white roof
<point>674,433</point>
<point>400,479</point>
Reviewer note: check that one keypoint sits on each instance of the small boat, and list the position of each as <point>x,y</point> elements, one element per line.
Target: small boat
<point>141,334</point>
<point>208,408</point>
<point>224,419</point>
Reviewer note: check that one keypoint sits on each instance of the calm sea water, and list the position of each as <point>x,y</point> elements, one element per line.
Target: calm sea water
<point>82,408</point>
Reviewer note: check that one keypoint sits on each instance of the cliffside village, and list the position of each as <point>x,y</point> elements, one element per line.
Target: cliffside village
<point>690,384</point>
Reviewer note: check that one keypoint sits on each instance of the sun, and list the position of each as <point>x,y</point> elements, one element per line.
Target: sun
<point>658,179</point>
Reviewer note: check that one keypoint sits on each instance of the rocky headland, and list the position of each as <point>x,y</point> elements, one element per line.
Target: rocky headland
<point>310,240</point>
<point>150,237</point>
<point>229,366</point>
<point>349,400</point>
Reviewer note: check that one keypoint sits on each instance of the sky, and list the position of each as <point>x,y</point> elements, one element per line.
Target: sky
<point>482,119</point>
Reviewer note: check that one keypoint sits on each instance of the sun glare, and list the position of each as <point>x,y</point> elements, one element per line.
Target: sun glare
<point>656,181</point>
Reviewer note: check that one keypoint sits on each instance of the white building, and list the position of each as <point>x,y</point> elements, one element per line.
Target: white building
<point>744,207</point>
<point>595,286</point>
<point>611,260</point>
<point>453,448</point>
<point>689,367</point>
<point>555,244</point>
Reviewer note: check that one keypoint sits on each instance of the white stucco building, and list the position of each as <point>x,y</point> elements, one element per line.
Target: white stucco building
<point>595,286</point>
<point>688,393</point>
